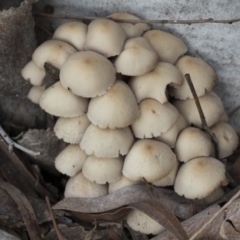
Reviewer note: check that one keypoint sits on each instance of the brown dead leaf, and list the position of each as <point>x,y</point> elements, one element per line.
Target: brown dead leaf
<point>127,195</point>
<point>163,216</point>
<point>26,210</point>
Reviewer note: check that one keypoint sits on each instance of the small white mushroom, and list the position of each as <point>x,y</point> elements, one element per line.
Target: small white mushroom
<point>71,130</point>
<point>106,143</point>
<point>80,187</point>
<point>70,161</point>
<point>35,93</point>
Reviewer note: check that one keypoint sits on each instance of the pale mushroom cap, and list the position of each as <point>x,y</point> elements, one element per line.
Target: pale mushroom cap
<point>117,108</point>
<point>169,179</point>
<point>136,61</point>
<point>224,117</point>
<point>54,52</point>
<point>149,159</point>
<point>87,74</point>
<point>58,101</point>
<point>105,37</point>
<point>212,107</point>
<point>155,119</point>
<point>202,75</point>
<point>227,139</point>
<point>33,73</point>
<point>70,161</point>
<point>107,143</point>
<point>103,170</point>
<point>121,183</point>
<point>199,177</point>
<point>80,187</point>
<point>131,30</point>
<point>168,46</point>
<point>170,137</point>
<point>71,130</point>
<point>35,93</point>
<point>141,222</point>
<point>192,143</point>
<point>138,42</point>
<point>73,33</point>
<point>153,84</point>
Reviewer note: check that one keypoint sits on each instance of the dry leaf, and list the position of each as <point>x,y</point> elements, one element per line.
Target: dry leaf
<point>180,206</point>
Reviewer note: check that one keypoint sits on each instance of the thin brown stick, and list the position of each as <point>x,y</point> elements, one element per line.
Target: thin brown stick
<point>155,21</point>
<point>201,114</point>
<point>58,233</point>
<point>233,111</point>
<point>43,28</point>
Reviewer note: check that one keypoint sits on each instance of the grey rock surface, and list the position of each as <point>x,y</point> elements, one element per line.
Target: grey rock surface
<point>216,43</point>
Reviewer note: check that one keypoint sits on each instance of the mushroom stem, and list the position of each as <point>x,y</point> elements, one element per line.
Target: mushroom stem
<point>12,144</point>
<point>201,114</point>
<point>232,183</point>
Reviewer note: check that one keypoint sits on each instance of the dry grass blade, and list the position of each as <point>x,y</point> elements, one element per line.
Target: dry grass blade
<point>163,216</point>
<point>204,227</point>
<point>26,210</point>
<point>90,233</point>
<point>59,235</point>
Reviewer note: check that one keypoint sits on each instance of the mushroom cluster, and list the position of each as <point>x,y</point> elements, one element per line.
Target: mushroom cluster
<point>127,112</point>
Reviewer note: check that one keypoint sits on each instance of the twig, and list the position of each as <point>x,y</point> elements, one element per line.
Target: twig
<point>201,114</point>
<point>43,28</point>
<point>232,183</point>
<point>150,189</point>
<point>233,111</point>
<point>12,144</point>
<point>215,215</point>
<point>58,233</point>
<point>155,21</point>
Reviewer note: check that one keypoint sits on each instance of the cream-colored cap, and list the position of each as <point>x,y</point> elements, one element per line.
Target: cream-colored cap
<point>131,30</point>
<point>105,37</point>
<point>202,75</point>
<point>155,119</point>
<point>103,170</point>
<point>58,101</point>
<point>87,74</point>
<point>73,33</point>
<point>168,46</point>
<point>117,108</point>
<point>70,161</point>
<point>107,143</point>
<point>80,187</point>
<point>54,52</point>
<point>154,84</point>
<point>71,130</point>
<point>199,177</point>
<point>35,93</point>
<point>149,159</point>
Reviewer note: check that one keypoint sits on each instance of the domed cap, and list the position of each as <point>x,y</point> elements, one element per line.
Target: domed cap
<point>227,139</point>
<point>58,101</point>
<point>73,33</point>
<point>212,107</point>
<point>105,37</point>
<point>202,75</point>
<point>131,30</point>
<point>80,187</point>
<point>168,46</point>
<point>103,170</point>
<point>155,119</point>
<point>141,222</point>
<point>149,159</point>
<point>117,108</point>
<point>169,179</point>
<point>121,183</point>
<point>35,93</point>
<point>33,73</point>
<point>71,130</point>
<point>54,52</point>
<point>199,177</point>
<point>153,84</point>
<point>87,74</point>
<point>106,143</point>
<point>70,161</point>
<point>193,143</point>
<point>137,58</point>
<point>170,137</point>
